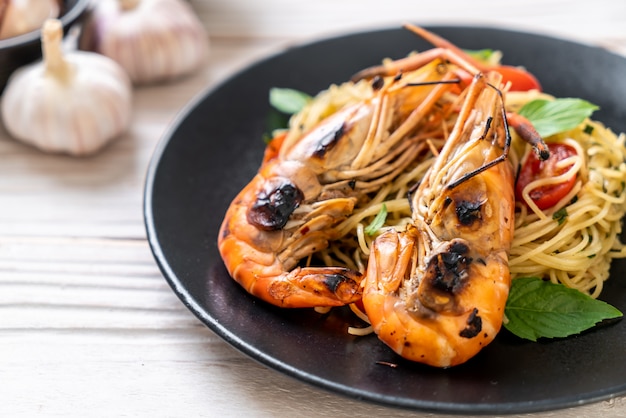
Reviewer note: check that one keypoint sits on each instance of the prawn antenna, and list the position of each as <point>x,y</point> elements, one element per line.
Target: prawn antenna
<point>430,83</point>
<point>505,150</point>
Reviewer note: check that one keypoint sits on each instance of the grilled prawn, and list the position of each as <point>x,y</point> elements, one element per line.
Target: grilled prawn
<point>302,191</point>
<point>436,292</point>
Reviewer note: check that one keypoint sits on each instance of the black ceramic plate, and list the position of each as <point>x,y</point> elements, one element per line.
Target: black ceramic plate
<point>215,147</point>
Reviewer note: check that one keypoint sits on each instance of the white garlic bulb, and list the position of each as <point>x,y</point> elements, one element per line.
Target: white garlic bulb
<point>153,40</point>
<point>72,103</point>
<point>23,16</point>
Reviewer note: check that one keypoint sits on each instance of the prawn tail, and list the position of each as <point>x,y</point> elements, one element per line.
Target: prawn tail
<point>308,287</point>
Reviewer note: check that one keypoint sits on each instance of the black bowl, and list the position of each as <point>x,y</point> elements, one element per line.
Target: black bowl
<point>20,50</point>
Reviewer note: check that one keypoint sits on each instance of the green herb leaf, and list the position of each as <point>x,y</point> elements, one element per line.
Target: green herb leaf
<point>560,215</point>
<point>537,308</point>
<point>483,55</point>
<point>288,101</point>
<point>550,117</point>
<point>274,122</point>
<point>588,129</point>
<point>378,221</point>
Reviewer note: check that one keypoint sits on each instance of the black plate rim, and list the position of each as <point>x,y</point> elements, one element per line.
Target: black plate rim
<point>263,358</point>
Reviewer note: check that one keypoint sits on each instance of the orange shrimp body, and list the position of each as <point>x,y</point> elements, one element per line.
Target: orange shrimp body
<point>436,292</point>
<point>309,184</point>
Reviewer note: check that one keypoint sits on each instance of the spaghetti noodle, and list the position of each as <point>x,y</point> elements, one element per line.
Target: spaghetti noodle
<point>574,242</point>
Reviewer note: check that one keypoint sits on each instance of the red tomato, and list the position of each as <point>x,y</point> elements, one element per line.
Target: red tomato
<point>546,196</point>
<point>520,79</point>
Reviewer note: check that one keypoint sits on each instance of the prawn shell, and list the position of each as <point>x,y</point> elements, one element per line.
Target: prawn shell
<point>253,257</point>
<point>439,339</point>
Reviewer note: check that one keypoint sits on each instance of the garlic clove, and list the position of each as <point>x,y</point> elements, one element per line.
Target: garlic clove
<point>153,40</point>
<point>23,16</point>
<point>71,103</point>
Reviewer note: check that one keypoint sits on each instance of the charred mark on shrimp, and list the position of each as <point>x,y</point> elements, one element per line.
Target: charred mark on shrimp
<point>329,139</point>
<point>474,325</point>
<point>468,212</point>
<point>446,276</point>
<point>274,205</point>
<point>334,281</point>
<point>378,83</point>
<point>451,268</point>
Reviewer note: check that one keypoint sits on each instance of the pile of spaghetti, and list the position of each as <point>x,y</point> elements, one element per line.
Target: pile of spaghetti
<point>572,242</point>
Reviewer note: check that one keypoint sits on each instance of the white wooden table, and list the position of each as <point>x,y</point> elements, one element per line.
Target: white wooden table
<point>88,325</point>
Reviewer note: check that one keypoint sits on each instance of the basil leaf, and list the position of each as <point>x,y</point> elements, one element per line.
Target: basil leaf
<point>537,308</point>
<point>483,55</point>
<point>550,117</point>
<point>288,101</point>
<point>378,221</point>
<point>274,122</point>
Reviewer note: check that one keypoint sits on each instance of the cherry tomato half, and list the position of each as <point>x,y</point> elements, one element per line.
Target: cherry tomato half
<point>520,79</point>
<point>533,169</point>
